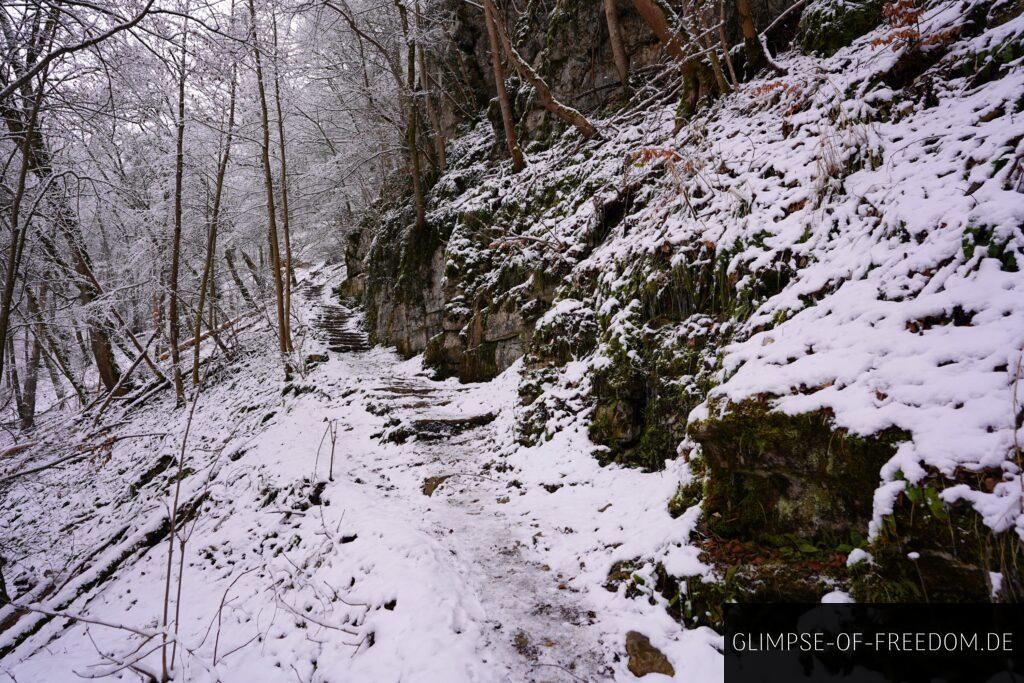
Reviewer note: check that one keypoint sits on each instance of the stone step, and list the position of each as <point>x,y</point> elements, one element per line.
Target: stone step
<point>336,326</point>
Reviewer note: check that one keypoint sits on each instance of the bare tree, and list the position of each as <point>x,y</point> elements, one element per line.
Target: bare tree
<point>565,113</point>
<point>425,88</point>
<point>611,15</point>
<point>511,140</point>
<point>179,175</point>
<point>751,40</point>
<point>653,14</point>
<point>289,274</point>
<point>206,284</point>
<point>284,341</point>
<point>412,118</point>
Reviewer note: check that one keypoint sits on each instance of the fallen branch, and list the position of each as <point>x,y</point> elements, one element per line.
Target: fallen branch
<point>82,452</point>
<point>86,620</point>
<point>19,448</point>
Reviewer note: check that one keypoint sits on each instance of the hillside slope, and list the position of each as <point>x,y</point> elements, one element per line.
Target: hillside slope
<point>809,289</point>
<point>767,349</point>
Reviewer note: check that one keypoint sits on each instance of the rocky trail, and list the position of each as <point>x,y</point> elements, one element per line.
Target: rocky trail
<point>536,628</point>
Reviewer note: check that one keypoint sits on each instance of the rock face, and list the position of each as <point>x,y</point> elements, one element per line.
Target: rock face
<point>419,296</point>
<point>644,658</point>
<point>467,328</point>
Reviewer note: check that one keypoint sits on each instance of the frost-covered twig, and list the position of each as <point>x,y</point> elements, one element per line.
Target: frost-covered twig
<point>220,611</point>
<point>334,627</point>
<point>173,519</point>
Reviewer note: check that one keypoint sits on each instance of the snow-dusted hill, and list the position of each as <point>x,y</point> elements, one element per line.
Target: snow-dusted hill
<point>809,288</point>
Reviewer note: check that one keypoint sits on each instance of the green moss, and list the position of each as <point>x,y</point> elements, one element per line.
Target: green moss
<point>994,62</point>
<point>771,473</point>
<point>434,355</point>
<point>774,580</point>
<point>976,236</point>
<point>685,497</point>
<point>615,425</point>
<point>751,572</point>
<point>828,25</point>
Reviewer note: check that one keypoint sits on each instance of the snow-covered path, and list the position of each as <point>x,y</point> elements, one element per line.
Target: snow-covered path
<point>441,550</point>
<point>535,629</point>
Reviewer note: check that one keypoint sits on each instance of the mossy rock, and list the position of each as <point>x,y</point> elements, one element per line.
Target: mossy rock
<point>686,496</point>
<point>615,425</point>
<point>829,25</point>
<point>702,603</point>
<point>769,473</point>
<point>752,572</point>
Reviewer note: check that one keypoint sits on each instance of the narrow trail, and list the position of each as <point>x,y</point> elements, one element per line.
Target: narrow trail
<point>537,628</point>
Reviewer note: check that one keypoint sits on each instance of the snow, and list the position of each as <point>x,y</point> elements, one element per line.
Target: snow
<point>858,555</point>
<point>901,238</point>
<point>836,597</point>
<point>498,575</point>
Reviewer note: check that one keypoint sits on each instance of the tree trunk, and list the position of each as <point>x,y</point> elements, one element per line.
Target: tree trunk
<point>256,273</point>
<point>618,50</point>
<point>751,41</point>
<point>55,355</point>
<point>432,115</point>
<point>27,410</point>
<point>724,43</point>
<point>283,342</point>
<point>206,283</point>
<point>18,232</point>
<point>13,380</point>
<point>239,284</point>
<point>173,319</point>
<point>526,72</point>
<point>511,141</point>
<point>435,119</point>
<point>83,346</point>
<point>51,369</point>
<point>157,305</point>
<point>289,274</point>
<point>89,291</point>
<point>655,18</point>
<point>702,25</point>
<point>411,133</point>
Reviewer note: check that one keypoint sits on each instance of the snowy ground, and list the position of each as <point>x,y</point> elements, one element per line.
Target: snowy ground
<point>498,575</point>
